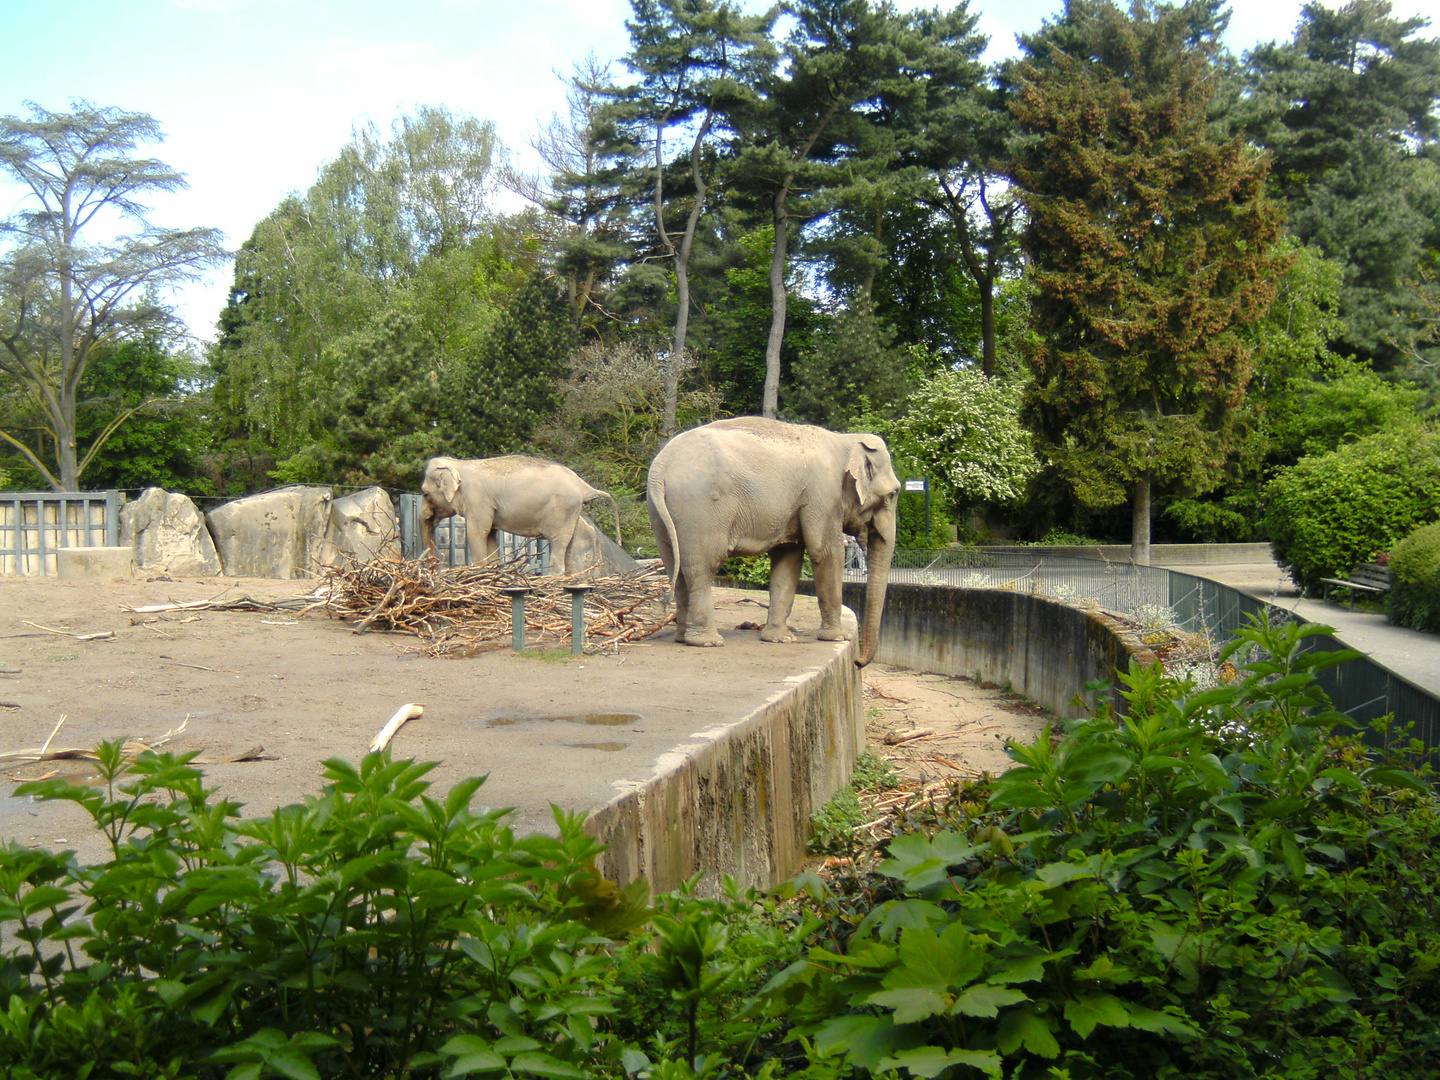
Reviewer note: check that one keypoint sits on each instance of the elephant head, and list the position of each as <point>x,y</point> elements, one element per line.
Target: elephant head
<point>439,489</point>
<point>871,490</point>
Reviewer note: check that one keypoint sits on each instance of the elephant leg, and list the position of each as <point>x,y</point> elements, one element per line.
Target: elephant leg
<point>699,601</point>
<point>829,565</point>
<point>682,608</point>
<point>560,549</point>
<point>785,564</point>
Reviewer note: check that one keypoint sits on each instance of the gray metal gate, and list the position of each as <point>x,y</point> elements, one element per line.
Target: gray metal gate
<point>450,540</point>
<point>36,524</point>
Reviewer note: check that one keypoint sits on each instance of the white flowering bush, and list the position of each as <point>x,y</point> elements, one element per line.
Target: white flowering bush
<point>965,429</point>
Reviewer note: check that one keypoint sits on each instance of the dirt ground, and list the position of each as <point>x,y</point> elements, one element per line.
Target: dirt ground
<point>284,694</point>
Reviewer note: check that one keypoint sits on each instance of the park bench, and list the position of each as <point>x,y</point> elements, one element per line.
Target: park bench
<point>1367,577</point>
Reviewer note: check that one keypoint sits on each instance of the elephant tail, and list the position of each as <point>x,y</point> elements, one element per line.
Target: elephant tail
<point>596,493</point>
<point>655,493</point>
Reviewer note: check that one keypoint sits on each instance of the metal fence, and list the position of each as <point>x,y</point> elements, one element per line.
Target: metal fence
<point>1362,688</point>
<point>34,525</point>
<point>450,540</point>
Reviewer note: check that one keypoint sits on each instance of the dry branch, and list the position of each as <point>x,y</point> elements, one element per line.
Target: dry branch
<point>463,609</point>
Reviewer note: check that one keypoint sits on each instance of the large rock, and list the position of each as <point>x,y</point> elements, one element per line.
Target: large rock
<point>278,534</point>
<point>592,552</point>
<point>167,535</point>
<point>363,526</point>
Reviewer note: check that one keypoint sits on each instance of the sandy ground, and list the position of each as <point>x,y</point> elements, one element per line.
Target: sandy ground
<point>288,693</point>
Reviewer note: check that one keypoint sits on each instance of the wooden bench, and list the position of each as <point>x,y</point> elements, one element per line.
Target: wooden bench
<point>1367,577</point>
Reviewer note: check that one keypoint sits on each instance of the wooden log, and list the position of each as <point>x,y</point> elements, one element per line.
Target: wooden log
<point>409,711</point>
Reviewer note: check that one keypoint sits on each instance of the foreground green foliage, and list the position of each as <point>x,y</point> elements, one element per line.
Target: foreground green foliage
<point>1217,885</point>
<point>1213,886</point>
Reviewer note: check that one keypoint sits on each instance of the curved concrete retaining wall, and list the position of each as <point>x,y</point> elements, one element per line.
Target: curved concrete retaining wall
<point>737,799</point>
<point>1044,649</point>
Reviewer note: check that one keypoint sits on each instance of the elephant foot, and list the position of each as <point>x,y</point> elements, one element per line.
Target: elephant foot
<point>832,635</point>
<point>781,636</point>
<point>710,639</point>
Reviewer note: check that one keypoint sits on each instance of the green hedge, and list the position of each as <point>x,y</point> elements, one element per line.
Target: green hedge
<point>1329,512</point>
<point>1414,596</point>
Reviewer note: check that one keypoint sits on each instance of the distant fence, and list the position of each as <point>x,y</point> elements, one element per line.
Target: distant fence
<point>34,525</point>
<point>1362,689</point>
<point>450,539</point>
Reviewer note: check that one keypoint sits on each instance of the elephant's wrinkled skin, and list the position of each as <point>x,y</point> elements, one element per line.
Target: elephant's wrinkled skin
<point>749,486</point>
<point>522,495</point>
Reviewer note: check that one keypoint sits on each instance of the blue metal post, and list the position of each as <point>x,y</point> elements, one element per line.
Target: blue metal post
<point>517,594</point>
<point>577,617</point>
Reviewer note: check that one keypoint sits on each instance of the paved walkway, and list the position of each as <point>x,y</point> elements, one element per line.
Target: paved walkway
<point>1408,653</point>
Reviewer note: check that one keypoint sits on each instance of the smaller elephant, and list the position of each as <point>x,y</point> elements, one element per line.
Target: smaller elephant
<point>522,495</point>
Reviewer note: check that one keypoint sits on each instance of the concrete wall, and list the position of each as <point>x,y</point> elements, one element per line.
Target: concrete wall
<point>737,799</point>
<point>1044,649</point>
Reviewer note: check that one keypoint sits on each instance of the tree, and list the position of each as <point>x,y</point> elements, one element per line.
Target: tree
<point>852,367</point>
<point>1152,246</point>
<point>1348,110</point>
<point>62,296</point>
<point>838,63</point>
<point>964,428</point>
<point>693,57</point>
<point>512,383</point>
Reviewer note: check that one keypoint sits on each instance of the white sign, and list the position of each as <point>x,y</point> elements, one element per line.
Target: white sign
<point>914,485</point>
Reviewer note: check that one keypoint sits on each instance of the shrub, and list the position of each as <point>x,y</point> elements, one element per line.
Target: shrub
<point>1216,885</point>
<point>1331,511</point>
<point>1414,596</point>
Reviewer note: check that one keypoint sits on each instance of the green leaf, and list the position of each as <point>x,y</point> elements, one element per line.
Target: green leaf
<point>1023,1027</point>
<point>927,1061</point>
<point>912,1004</point>
<point>291,1063</point>
<point>544,1065</point>
<point>472,1054</point>
<point>1084,1013</point>
<point>984,1000</point>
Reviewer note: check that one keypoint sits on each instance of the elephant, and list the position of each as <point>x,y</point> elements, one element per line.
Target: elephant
<point>523,495</point>
<point>749,485</point>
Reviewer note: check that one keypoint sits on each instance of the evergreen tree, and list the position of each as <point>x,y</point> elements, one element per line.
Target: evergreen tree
<point>1152,246</point>
<point>512,382</point>
<point>851,368</point>
<point>1348,111</point>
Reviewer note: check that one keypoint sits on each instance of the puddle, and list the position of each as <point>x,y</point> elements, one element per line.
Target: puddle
<point>612,747</point>
<point>594,719</point>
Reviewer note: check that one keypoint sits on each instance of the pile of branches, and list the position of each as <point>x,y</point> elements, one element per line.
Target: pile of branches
<point>464,609</point>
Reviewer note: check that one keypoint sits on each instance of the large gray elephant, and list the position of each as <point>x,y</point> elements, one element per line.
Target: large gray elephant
<point>522,495</point>
<point>749,486</point>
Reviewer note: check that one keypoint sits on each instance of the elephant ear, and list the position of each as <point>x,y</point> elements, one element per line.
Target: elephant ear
<point>861,470</point>
<point>447,478</point>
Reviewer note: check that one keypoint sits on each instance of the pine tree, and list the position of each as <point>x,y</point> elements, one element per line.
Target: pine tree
<point>1151,242</point>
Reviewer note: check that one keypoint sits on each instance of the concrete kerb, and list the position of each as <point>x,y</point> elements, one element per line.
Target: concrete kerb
<point>737,799</point>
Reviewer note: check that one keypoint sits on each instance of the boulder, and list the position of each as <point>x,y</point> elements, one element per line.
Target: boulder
<point>362,527</point>
<point>167,535</point>
<point>592,552</point>
<point>277,534</point>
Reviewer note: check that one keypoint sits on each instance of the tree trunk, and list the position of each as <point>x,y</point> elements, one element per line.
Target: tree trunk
<point>1140,522</point>
<point>986,282</point>
<point>771,399</point>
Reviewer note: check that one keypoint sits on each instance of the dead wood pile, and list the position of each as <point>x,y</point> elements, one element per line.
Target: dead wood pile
<point>463,609</point>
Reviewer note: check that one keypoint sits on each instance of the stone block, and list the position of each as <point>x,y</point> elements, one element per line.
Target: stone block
<point>94,564</point>
<point>168,535</point>
<point>277,534</point>
<point>362,527</point>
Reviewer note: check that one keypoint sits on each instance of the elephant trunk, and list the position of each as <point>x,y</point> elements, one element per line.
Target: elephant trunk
<point>878,552</point>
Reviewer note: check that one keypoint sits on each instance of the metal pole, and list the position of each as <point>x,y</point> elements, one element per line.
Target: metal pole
<point>517,594</point>
<point>927,510</point>
<point>577,617</point>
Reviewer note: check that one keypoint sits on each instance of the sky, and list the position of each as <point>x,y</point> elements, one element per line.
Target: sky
<point>255,95</point>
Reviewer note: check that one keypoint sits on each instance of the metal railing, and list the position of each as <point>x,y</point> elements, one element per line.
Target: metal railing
<point>1363,689</point>
<point>34,525</point>
<point>451,545</point>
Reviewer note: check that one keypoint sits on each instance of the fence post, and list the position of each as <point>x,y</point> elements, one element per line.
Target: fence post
<point>112,519</point>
